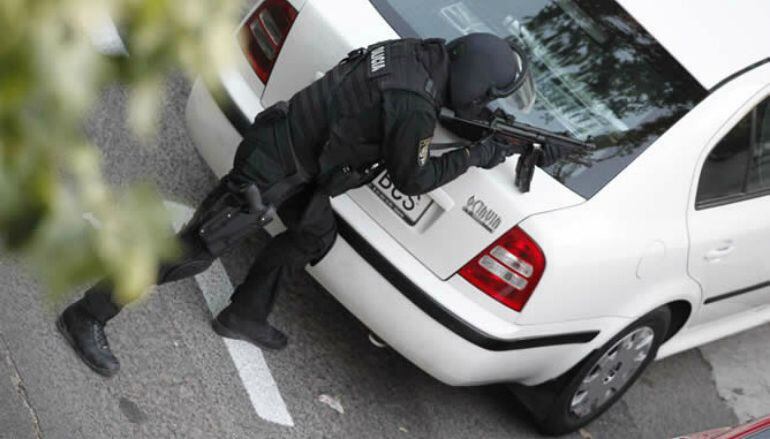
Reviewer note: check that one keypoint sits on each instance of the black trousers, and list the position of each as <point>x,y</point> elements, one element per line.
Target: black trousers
<point>311,232</point>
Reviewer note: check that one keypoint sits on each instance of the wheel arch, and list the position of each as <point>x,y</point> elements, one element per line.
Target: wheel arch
<point>681,310</point>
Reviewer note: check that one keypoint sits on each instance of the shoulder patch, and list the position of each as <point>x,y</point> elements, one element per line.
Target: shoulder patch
<point>423,151</point>
<point>379,64</point>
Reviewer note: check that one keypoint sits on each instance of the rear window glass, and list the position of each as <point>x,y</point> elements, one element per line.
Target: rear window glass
<point>724,173</point>
<point>739,165</point>
<point>598,73</point>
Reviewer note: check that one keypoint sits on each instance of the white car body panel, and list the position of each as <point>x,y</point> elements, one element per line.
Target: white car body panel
<point>353,24</point>
<point>215,137</point>
<point>609,260</point>
<point>711,38</point>
<point>642,208</point>
<point>244,87</point>
<point>729,243</point>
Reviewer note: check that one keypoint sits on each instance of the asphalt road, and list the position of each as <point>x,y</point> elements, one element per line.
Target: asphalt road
<point>179,379</point>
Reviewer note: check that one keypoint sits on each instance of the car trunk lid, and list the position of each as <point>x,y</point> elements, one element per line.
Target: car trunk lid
<point>452,224</point>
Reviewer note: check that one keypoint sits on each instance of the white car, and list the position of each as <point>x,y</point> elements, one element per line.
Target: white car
<point>655,243</point>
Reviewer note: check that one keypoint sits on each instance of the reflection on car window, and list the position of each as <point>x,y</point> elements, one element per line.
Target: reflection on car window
<point>597,73</point>
<point>724,172</point>
<point>759,169</point>
<point>739,165</point>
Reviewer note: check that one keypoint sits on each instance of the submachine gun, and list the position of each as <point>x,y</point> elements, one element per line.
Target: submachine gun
<point>533,139</point>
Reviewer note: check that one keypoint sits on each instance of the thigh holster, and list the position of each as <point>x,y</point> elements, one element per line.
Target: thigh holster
<point>230,213</point>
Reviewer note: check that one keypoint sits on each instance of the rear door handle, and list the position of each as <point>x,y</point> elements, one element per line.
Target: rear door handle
<point>720,252</point>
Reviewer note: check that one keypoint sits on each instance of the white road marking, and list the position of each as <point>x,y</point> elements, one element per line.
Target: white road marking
<point>248,359</point>
<point>741,370</point>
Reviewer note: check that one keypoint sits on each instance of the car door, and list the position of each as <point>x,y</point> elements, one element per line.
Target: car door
<point>729,223</point>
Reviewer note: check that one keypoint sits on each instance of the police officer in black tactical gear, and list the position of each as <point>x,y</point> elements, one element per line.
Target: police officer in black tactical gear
<point>377,109</point>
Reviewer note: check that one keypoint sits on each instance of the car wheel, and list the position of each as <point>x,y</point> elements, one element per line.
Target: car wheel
<point>589,389</point>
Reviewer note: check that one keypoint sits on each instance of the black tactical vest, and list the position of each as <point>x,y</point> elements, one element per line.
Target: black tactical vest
<point>337,120</point>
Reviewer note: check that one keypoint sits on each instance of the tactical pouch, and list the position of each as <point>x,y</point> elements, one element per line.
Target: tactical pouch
<point>227,216</point>
<point>228,226</point>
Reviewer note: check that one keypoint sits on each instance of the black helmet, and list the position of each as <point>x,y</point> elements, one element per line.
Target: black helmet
<point>482,68</point>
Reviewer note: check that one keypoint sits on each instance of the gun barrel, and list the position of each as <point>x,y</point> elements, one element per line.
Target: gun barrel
<point>533,134</point>
<point>520,131</point>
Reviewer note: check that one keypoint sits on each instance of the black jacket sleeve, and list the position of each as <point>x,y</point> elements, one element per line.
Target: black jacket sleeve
<point>408,131</point>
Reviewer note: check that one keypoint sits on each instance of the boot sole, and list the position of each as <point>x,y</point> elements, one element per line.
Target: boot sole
<point>224,331</point>
<point>62,327</point>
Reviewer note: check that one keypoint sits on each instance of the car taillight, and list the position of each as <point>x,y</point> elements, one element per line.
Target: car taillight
<point>508,270</point>
<point>263,34</point>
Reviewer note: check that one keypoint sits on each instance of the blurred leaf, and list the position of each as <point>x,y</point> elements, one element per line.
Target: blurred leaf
<point>50,176</point>
<point>144,107</point>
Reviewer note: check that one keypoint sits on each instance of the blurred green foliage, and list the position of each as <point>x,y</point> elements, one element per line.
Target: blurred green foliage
<point>50,78</point>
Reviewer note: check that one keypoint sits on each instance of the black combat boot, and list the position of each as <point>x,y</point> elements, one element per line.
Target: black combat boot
<point>228,324</point>
<point>86,336</point>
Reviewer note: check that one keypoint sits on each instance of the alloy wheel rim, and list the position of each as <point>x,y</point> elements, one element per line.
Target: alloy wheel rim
<point>610,374</point>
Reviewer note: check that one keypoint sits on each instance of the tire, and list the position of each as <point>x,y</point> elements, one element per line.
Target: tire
<point>576,398</point>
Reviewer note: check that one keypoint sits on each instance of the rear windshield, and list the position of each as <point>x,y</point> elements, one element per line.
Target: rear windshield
<point>597,73</point>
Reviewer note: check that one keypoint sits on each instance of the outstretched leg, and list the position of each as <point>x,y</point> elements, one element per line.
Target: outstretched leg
<point>311,233</point>
<point>82,323</point>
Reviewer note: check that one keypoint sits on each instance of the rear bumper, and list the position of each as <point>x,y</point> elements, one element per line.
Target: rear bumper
<point>398,308</point>
<point>215,136</point>
<point>435,310</point>
<point>395,296</point>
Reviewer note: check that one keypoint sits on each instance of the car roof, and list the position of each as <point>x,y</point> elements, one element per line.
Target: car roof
<point>712,39</point>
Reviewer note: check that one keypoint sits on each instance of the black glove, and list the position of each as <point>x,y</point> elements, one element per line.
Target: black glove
<point>490,152</point>
<point>551,154</point>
